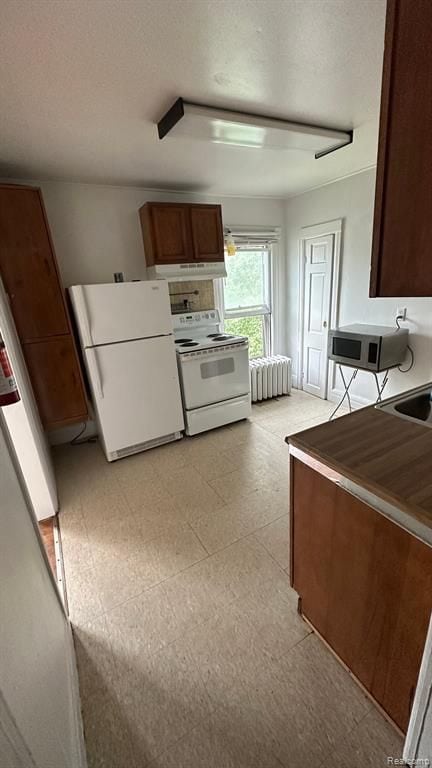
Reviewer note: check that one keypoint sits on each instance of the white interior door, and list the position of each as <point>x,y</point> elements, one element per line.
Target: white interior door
<point>40,720</point>
<point>318,264</point>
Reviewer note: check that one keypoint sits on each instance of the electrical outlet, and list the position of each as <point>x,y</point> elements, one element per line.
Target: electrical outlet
<point>401,312</point>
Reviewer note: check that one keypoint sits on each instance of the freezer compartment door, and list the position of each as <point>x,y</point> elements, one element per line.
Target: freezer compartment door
<point>136,391</point>
<point>113,312</point>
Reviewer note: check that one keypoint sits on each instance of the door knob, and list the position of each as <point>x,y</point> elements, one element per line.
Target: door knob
<point>325,324</point>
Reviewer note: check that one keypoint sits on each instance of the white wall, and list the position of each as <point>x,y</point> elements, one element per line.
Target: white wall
<point>96,232</point>
<point>352,199</point>
<point>96,229</point>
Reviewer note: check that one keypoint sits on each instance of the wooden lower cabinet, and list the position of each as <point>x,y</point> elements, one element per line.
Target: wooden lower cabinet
<point>56,381</point>
<point>365,584</point>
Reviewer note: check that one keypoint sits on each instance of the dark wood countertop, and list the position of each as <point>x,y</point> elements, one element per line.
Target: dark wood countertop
<point>388,456</point>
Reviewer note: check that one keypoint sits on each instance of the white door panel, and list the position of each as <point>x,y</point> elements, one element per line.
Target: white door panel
<point>113,312</point>
<point>39,703</point>
<point>317,293</point>
<point>136,391</point>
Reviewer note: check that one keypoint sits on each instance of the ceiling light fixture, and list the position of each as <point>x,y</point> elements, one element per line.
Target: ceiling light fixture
<point>240,129</point>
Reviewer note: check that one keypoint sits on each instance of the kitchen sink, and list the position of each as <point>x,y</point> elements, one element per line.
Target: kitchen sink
<point>415,405</point>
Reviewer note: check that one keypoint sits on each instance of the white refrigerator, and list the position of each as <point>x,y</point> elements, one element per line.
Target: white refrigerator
<point>126,335</point>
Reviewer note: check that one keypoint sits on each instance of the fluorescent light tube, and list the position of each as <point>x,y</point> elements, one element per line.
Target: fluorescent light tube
<point>240,129</point>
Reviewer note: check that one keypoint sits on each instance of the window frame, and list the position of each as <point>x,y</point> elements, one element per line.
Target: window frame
<point>264,310</point>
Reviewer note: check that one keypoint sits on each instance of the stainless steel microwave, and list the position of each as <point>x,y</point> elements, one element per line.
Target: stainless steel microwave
<point>371,347</point>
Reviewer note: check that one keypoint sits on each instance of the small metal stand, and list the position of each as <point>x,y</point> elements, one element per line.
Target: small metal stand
<point>347,384</point>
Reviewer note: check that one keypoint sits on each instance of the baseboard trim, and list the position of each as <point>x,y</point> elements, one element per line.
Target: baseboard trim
<point>335,395</point>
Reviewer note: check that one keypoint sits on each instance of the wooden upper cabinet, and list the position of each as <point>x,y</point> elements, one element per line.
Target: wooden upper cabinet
<point>207,232</point>
<point>402,235</point>
<point>28,267</point>
<point>175,233</point>
<point>166,233</point>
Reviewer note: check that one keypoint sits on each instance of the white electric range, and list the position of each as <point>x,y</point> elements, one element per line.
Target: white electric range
<point>213,369</point>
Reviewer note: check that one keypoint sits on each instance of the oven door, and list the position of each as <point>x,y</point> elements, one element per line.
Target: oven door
<point>212,376</point>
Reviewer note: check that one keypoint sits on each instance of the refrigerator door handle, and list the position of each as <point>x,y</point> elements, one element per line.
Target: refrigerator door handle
<point>95,372</point>
<point>83,315</point>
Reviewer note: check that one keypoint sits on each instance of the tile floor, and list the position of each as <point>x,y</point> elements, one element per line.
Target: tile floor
<point>190,651</point>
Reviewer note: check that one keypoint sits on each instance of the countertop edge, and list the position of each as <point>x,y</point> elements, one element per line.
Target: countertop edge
<point>391,506</point>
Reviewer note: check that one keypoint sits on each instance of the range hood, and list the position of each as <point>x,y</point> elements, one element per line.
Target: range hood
<point>196,270</point>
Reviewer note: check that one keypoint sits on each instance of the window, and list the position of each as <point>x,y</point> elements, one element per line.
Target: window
<point>246,297</point>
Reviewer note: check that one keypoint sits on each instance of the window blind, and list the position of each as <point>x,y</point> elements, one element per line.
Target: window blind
<point>254,238</point>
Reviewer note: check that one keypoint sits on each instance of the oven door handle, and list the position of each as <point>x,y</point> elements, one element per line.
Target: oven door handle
<point>213,354</point>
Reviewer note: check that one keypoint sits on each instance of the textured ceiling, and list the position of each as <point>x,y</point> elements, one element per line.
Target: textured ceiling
<point>83,81</point>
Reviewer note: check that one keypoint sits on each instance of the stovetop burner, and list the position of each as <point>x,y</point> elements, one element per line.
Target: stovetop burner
<point>190,344</point>
<point>182,341</point>
<point>220,336</point>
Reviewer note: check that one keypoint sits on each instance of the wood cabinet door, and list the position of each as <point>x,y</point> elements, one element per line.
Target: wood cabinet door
<point>171,237</point>
<point>365,585</point>
<point>55,376</point>
<point>401,262</point>
<point>207,232</point>
<point>28,267</point>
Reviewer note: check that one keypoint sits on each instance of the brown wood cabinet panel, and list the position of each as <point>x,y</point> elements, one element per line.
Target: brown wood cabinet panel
<point>311,541</point>
<point>28,267</point>
<point>56,381</point>
<point>166,231</point>
<point>207,232</point>
<point>401,262</point>
<point>365,585</point>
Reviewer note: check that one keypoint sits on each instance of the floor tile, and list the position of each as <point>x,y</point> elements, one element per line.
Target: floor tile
<point>139,481</point>
<point>170,457</point>
<point>115,581</point>
<point>102,501</point>
<point>118,539</point>
<point>226,739</point>
<point>155,519</point>
<point>211,466</point>
<point>76,547</point>
<point>95,659</point>
<point>370,745</point>
<point>239,569</point>
<point>109,735</point>
<point>142,625</point>
<point>244,635</point>
<point>162,699</point>
<point>83,598</point>
<point>275,538</point>
<point>173,551</point>
<point>331,702</point>
<point>243,482</point>
<point>187,658</point>
<point>192,492</point>
<point>223,526</point>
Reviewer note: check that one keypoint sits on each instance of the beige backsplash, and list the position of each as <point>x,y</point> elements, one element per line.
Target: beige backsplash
<point>204,300</point>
